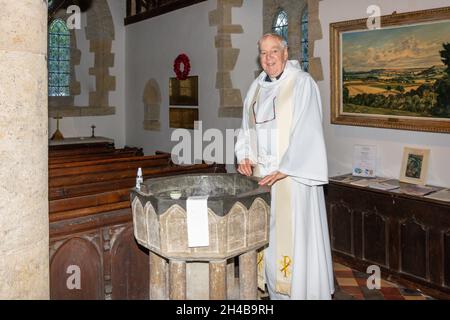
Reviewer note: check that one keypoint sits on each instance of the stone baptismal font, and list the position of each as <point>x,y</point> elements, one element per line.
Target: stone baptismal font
<point>170,215</point>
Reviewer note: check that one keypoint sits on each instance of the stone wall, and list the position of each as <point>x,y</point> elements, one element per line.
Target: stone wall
<point>230,97</point>
<point>100,34</point>
<point>24,255</point>
<point>294,10</point>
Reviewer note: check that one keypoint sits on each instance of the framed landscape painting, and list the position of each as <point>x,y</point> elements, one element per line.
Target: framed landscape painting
<point>397,76</point>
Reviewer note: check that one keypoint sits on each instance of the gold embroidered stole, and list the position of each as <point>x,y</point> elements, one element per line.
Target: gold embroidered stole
<point>282,190</point>
<point>261,270</point>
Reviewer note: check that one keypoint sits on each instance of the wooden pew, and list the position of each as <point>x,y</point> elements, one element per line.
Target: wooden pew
<point>91,162</point>
<point>101,200</point>
<point>74,190</point>
<point>94,231</point>
<point>105,154</point>
<point>80,148</point>
<point>92,157</point>
<point>77,143</point>
<point>107,165</point>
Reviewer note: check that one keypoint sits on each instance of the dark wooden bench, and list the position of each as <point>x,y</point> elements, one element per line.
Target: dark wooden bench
<point>107,165</point>
<point>102,182</point>
<point>91,227</point>
<point>96,199</point>
<point>76,149</point>
<point>92,156</point>
<point>91,162</point>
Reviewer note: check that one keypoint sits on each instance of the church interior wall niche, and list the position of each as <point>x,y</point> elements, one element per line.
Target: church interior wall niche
<point>152,106</point>
<point>396,76</point>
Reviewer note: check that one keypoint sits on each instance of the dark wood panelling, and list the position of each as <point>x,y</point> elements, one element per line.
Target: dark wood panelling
<point>158,8</point>
<point>447,259</point>
<point>84,255</point>
<point>407,236</point>
<point>374,234</point>
<point>94,230</point>
<point>112,264</point>
<point>342,226</point>
<point>413,249</point>
<point>129,267</point>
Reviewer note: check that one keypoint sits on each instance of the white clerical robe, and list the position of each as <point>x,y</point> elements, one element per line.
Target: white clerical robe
<point>305,162</point>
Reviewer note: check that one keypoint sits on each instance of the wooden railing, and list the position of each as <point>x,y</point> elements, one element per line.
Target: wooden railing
<point>138,10</point>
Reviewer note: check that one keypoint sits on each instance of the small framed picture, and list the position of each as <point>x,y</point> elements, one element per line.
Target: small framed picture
<point>414,166</point>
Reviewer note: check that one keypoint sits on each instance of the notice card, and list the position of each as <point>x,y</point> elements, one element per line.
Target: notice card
<point>197,221</point>
<point>364,161</point>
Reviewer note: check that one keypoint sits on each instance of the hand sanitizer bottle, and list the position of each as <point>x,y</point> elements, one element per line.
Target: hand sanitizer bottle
<point>139,179</point>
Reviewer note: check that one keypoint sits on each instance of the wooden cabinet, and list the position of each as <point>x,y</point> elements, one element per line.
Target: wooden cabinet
<point>407,236</point>
<point>102,251</point>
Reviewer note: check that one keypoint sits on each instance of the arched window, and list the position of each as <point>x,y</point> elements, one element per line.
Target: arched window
<point>280,24</point>
<point>58,59</point>
<point>304,41</point>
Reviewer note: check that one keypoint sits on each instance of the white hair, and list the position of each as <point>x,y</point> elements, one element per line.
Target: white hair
<point>282,41</point>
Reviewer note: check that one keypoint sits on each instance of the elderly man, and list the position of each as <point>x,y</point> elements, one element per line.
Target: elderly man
<point>281,141</point>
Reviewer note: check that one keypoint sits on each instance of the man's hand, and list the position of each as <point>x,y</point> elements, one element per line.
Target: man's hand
<point>245,167</point>
<point>272,178</point>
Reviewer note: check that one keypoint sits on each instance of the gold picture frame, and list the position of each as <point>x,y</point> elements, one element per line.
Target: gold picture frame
<point>414,165</point>
<point>376,83</point>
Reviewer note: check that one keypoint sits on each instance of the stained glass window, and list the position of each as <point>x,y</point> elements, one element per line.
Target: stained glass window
<point>280,24</point>
<point>304,41</point>
<point>58,59</point>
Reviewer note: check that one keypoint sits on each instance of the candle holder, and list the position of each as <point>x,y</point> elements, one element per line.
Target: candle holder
<point>57,135</point>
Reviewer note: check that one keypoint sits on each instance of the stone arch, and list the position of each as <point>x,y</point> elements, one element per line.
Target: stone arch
<point>237,227</point>
<point>152,106</point>
<point>75,58</point>
<point>258,223</point>
<point>140,223</point>
<point>100,34</point>
<point>151,218</point>
<point>174,227</point>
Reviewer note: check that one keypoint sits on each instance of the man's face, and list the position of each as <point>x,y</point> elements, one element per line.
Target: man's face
<point>272,56</point>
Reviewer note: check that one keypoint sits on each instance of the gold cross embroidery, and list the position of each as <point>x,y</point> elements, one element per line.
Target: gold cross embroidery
<point>285,263</point>
<point>260,261</point>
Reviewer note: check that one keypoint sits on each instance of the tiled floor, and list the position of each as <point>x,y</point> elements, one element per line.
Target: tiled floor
<point>352,285</point>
